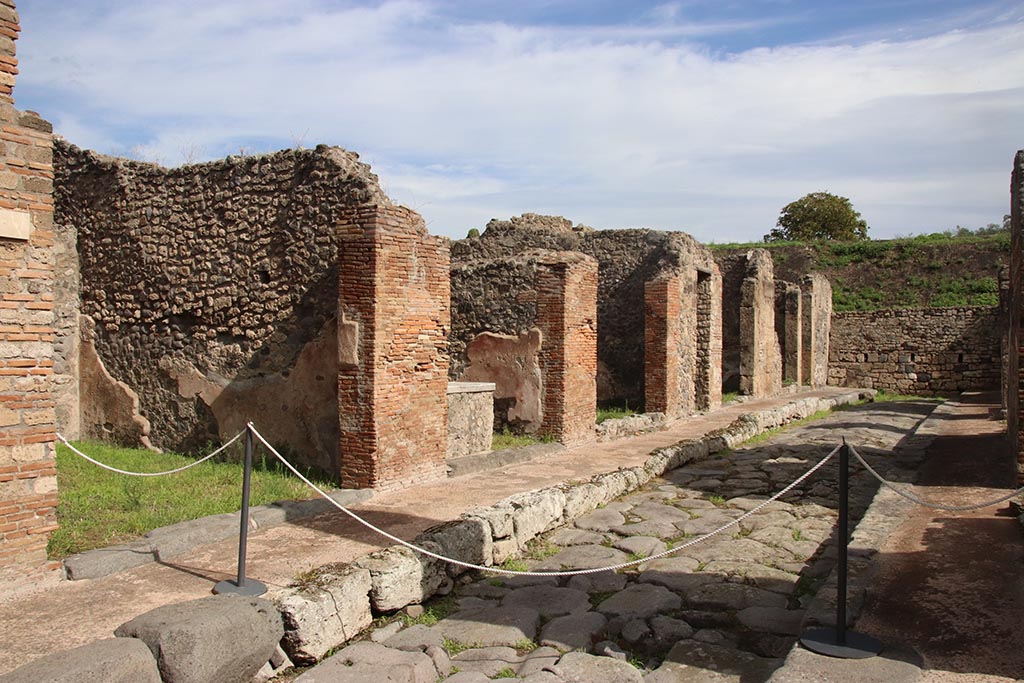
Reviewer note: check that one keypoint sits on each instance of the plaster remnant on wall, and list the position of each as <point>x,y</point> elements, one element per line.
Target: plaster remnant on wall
<point>111,409</point>
<point>511,363</point>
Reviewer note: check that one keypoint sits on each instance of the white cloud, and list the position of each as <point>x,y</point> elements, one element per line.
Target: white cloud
<point>609,126</point>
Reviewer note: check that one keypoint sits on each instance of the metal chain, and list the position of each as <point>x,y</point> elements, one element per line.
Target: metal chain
<point>936,506</point>
<point>148,474</point>
<point>574,572</point>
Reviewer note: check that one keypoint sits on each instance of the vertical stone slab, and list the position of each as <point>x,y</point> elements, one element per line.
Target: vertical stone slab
<point>28,483</point>
<point>816,314</point>
<point>760,358</point>
<point>394,316</point>
<point>789,328</point>
<point>566,286</point>
<point>1015,377</point>
<point>709,339</point>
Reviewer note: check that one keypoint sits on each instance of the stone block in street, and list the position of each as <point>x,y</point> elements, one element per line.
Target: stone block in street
<point>115,660</point>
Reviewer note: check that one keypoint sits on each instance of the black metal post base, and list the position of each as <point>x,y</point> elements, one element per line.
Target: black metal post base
<point>251,588</point>
<point>825,641</point>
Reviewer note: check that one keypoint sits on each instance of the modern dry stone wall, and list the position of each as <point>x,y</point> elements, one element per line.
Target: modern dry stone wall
<point>919,351</point>
<point>28,481</point>
<point>211,293</point>
<point>627,260</point>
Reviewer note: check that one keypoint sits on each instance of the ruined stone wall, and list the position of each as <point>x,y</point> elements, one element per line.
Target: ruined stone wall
<point>213,290</point>
<point>1014,378</point>
<point>393,299</point>
<point>28,481</point>
<point>470,418</point>
<point>760,357</point>
<point>917,351</point>
<point>733,268</point>
<point>627,259</point>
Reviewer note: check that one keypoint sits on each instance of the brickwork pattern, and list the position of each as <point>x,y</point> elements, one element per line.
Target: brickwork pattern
<point>1014,378</point>
<point>816,310</point>
<point>760,358</point>
<point>393,349</point>
<point>28,483</point>
<point>567,318</point>
<point>207,283</point>
<point>709,339</point>
<point>917,351</point>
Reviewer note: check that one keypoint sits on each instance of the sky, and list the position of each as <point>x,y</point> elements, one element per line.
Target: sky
<point>706,116</point>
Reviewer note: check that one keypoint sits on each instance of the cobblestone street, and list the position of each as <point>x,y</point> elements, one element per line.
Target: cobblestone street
<point>726,609</point>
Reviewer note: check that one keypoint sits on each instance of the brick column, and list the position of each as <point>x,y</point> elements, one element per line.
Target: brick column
<point>816,315</point>
<point>28,482</point>
<point>669,341</point>
<point>567,318</point>
<point>709,340</point>
<point>393,321</point>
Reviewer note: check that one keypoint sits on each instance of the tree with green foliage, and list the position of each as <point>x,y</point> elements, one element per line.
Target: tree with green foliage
<point>819,216</point>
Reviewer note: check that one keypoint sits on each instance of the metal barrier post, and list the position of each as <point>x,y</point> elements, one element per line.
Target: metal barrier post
<point>241,585</point>
<point>838,642</point>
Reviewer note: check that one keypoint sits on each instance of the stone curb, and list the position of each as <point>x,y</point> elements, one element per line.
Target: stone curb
<point>165,542</point>
<point>317,618</point>
<point>885,512</point>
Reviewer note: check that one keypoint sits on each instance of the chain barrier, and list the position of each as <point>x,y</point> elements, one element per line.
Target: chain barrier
<point>929,504</point>
<point>79,453</point>
<point>573,572</point>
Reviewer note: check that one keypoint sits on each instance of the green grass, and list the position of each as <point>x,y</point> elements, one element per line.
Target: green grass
<point>613,413</point>
<point>886,397</point>
<point>433,611</point>
<point>729,396</point>
<point>98,508</point>
<point>507,439</point>
<point>769,433</point>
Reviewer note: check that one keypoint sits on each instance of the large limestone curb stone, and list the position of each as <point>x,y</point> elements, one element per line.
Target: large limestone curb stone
<point>400,577</point>
<point>219,639</point>
<point>332,608</point>
<point>116,660</point>
<point>373,663</point>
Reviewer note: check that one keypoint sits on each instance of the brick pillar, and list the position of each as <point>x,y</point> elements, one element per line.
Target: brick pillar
<point>760,359</point>
<point>28,482</point>
<point>393,326</point>
<point>566,286</point>
<point>664,345</point>
<point>788,326</point>
<point>1015,362</point>
<point>816,315</point>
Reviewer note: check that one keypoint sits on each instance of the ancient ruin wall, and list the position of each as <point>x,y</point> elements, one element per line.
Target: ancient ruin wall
<point>627,259</point>
<point>788,329</point>
<point>28,481</point>
<point>917,351</point>
<point>1014,378</point>
<point>213,289</point>
<point>733,268</point>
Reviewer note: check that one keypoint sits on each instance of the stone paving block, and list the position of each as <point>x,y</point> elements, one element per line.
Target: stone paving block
<point>539,660</point>
<point>696,662</point>
<point>582,557</point>
<point>366,662</point>
<point>415,638</point>
<point>640,600</point>
<point>600,520</point>
<point>488,660</point>
<point>598,582</point>
<point>110,560</point>
<point>574,631</point>
<point>735,596</point>
<point>219,639</point>
<point>549,601</point>
<point>640,545</point>
<point>577,667</point>
<point>771,619</point>
<point>567,537</point>
<point>490,627</point>
<point>115,660</point>
<point>178,538</point>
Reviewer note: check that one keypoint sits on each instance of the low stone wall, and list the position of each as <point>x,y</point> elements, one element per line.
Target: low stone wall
<point>919,351</point>
<point>630,425</point>
<point>470,418</point>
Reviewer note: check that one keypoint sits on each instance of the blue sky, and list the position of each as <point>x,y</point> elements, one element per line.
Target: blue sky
<point>696,115</point>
